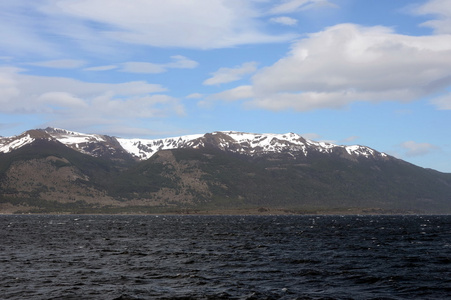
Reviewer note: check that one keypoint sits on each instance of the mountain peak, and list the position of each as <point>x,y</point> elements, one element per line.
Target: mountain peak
<point>250,144</point>
<point>54,131</point>
<point>8,144</point>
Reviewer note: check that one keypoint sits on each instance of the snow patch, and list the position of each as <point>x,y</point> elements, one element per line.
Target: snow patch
<point>234,141</point>
<point>146,148</point>
<point>72,138</point>
<point>14,143</point>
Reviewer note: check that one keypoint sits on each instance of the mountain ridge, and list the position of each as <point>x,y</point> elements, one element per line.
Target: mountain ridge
<point>233,141</point>
<point>58,171</point>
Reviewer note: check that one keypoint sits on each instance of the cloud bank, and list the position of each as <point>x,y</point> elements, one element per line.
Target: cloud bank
<point>77,102</point>
<point>347,63</point>
<point>99,26</point>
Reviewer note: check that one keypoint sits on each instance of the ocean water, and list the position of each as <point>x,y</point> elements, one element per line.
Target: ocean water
<point>225,257</point>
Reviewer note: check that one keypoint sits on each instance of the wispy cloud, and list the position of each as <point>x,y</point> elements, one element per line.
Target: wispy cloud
<point>21,32</point>
<point>101,68</point>
<point>181,62</point>
<point>59,64</point>
<point>194,24</point>
<point>238,93</point>
<point>412,148</point>
<point>350,139</point>
<point>178,62</point>
<point>290,6</point>
<point>284,21</point>
<point>39,27</point>
<point>142,67</point>
<point>442,102</point>
<point>439,8</point>
<point>311,136</point>
<point>194,96</point>
<point>226,75</point>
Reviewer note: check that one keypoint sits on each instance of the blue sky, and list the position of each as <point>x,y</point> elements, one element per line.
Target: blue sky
<point>369,72</point>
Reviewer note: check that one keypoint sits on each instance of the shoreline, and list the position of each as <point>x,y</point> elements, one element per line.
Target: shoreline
<point>240,212</point>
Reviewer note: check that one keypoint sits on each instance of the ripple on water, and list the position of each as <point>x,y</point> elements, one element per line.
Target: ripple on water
<point>225,257</point>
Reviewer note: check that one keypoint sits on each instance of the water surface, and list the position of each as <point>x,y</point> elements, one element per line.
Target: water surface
<point>225,257</point>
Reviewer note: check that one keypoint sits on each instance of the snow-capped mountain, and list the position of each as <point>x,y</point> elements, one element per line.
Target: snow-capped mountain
<point>92,144</point>
<point>145,148</point>
<point>9,144</point>
<point>250,144</point>
<point>56,170</point>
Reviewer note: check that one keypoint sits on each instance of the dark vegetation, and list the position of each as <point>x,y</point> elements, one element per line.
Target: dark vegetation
<point>226,181</point>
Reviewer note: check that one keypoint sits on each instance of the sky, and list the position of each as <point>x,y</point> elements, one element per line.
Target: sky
<point>369,72</point>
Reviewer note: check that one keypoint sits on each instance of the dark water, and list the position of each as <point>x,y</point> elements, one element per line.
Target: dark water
<point>225,257</point>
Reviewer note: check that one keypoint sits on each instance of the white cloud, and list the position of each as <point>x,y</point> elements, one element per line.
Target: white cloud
<point>60,64</point>
<point>238,93</point>
<point>142,67</point>
<point>350,139</point>
<point>19,30</point>
<point>101,68</point>
<point>170,23</point>
<point>347,63</point>
<point>195,96</point>
<point>56,28</point>
<point>284,21</point>
<point>442,10</point>
<point>225,75</point>
<point>141,106</point>
<point>417,149</point>
<point>311,136</point>
<point>179,62</point>
<point>69,100</point>
<point>8,85</point>
<point>443,102</point>
<point>290,6</point>
<point>61,99</point>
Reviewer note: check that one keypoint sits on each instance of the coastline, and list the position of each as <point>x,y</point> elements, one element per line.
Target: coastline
<point>257,211</point>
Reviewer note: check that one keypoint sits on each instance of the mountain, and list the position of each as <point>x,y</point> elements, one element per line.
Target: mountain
<point>237,142</point>
<point>92,144</point>
<point>55,170</point>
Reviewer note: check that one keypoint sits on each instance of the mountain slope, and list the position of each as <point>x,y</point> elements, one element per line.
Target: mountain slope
<point>243,143</point>
<point>45,174</point>
<point>54,170</point>
<point>321,181</point>
<point>238,142</point>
